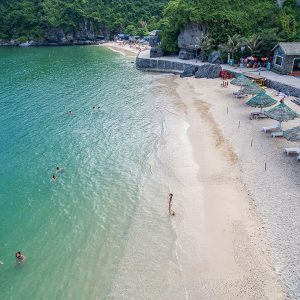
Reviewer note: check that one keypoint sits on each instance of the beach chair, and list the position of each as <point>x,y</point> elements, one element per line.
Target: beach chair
<point>277,134</point>
<point>257,115</point>
<point>296,101</point>
<point>271,128</point>
<point>240,96</point>
<point>292,151</point>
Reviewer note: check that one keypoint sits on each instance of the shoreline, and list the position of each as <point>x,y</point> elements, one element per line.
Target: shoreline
<point>123,50</point>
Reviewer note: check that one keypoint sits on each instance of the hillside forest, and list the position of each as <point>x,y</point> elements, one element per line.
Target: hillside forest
<point>260,20</point>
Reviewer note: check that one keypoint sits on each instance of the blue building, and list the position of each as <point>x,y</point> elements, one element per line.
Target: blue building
<point>286,58</point>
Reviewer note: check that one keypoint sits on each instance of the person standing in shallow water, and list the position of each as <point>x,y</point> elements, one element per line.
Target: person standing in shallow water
<point>171,212</point>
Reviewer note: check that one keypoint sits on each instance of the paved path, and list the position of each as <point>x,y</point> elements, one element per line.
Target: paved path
<point>285,79</point>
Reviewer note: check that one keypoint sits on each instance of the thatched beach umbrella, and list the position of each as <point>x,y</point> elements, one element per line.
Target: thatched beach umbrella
<point>281,113</point>
<point>252,89</point>
<point>261,100</point>
<point>292,134</point>
<point>241,80</point>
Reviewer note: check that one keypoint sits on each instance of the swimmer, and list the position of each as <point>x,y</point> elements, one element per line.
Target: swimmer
<point>171,212</point>
<point>58,169</point>
<point>53,177</point>
<point>70,113</point>
<point>19,257</point>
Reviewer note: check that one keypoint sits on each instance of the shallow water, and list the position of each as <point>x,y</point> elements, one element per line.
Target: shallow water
<point>72,230</point>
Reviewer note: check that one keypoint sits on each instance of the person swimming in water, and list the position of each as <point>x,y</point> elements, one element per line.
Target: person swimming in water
<point>70,113</point>
<point>54,177</point>
<point>58,169</point>
<point>19,257</point>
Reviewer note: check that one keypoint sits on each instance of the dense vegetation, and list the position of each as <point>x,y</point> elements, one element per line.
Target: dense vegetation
<point>30,18</point>
<point>261,22</point>
<point>226,18</point>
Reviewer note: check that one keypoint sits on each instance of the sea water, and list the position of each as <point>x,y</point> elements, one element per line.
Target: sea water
<point>72,230</point>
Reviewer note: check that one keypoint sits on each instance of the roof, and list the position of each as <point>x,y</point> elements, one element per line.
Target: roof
<point>292,48</point>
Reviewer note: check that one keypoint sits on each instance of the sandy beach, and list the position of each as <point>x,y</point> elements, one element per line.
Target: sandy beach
<point>236,223</point>
<point>126,50</point>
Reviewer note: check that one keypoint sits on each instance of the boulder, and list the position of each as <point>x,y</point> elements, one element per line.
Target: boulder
<point>215,57</point>
<point>208,71</point>
<point>189,71</point>
<point>183,54</point>
<point>186,54</point>
<point>156,52</point>
<point>154,39</point>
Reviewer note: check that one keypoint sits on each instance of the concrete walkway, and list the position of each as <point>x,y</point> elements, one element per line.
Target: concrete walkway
<point>284,79</point>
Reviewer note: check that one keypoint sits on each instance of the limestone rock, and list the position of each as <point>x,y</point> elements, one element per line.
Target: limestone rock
<point>191,35</point>
<point>156,52</point>
<point>215,57</point>
<point>208,71</point>
<point>154,40</point>
<point>189,71</point>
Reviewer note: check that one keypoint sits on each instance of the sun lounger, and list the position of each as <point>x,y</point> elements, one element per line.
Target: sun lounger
<point>238,93</point>
<point>296,101</point>
<point>271,128</point>
<point>292,151</point>
<point>257,115</point>
<point>277,134</point>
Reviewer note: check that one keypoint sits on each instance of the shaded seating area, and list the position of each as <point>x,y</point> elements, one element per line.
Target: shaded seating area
<point>260,100</point>
<point>241,80</point>
<point>281,113</point>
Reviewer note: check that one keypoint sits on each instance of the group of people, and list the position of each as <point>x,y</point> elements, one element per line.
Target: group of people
<point>58,170</point>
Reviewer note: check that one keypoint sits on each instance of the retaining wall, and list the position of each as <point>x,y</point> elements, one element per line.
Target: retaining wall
<point>167,66</point>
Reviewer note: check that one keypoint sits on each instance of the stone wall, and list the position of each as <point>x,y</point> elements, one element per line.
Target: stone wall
<point>167,66</point>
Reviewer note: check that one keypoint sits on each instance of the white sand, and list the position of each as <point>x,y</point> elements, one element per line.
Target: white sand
<point>236,225</point>
<point>223,249</point>
<point>126,49</point>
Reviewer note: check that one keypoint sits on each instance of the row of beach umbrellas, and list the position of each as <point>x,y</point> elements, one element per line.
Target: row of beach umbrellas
<point>280,113</point>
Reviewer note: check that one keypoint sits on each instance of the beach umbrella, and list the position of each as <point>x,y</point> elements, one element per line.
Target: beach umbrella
<point>292,134</point>
<point>241,80</point>
<point>281,113</point>
<point>252,89</point>
<point>261,100</point>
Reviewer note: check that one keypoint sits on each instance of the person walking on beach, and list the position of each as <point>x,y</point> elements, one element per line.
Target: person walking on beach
<point>171,212</point>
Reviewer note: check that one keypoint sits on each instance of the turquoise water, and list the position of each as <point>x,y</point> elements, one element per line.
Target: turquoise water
<point>71,230</point>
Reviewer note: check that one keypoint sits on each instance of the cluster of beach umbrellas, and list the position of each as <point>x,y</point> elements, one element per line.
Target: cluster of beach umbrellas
<point>280,113</point>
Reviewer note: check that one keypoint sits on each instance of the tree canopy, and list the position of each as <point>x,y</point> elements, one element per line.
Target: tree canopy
<point>226,18</point>
<point>30,18</point>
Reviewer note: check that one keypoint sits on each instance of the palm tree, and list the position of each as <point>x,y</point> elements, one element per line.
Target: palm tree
<point>253,43</point>
<point>205,44</point>
<point>233,44</point>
